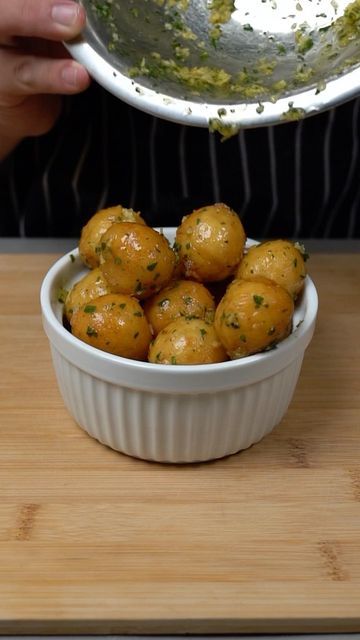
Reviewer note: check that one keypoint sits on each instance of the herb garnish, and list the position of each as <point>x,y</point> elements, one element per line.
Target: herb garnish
<point>258,300</point>
<point>151,266</point>
<point>90,331</point>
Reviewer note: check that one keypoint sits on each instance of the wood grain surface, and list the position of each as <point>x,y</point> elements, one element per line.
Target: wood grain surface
<point>266,541</point>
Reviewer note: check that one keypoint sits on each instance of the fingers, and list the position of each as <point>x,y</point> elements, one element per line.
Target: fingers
<point>29,31</point>
<point>32,116</point>
<point>42,48</point>
<point>50,19</point>
<point>35,68</point>
<point>25,75</point>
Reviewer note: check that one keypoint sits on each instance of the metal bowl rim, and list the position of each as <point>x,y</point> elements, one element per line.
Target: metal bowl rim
<point>243,115</point>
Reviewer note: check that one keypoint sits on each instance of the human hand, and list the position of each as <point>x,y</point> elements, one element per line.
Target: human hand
<point>35,69</point>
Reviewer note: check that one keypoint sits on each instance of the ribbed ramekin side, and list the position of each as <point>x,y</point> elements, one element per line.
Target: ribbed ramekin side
<point>173,427</point>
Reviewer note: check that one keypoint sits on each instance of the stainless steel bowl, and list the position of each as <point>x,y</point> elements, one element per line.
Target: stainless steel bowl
<point>224,64</point>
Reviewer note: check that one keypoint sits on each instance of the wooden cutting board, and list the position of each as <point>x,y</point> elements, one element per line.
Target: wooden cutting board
<point>266,541</point>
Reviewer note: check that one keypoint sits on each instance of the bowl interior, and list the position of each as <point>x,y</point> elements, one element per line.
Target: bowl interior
<point>249,52</point>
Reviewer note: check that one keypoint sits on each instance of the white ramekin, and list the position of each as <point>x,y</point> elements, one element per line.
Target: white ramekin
<point>172,413</point>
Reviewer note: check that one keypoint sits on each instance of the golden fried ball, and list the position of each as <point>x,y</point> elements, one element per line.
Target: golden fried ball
<point>187,341</point>
<point>279,260</point>
<point>252,316</point>
<point>92,285</point>
<point>180,298</point>
<point>91,233</point>
<point>114,323</point>
<point>210,242</point>
<point>136,259</point>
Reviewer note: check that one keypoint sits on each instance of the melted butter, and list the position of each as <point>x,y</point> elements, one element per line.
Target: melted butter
<point>347,27</point>
<point>254,84</point>
<point>225,130</point>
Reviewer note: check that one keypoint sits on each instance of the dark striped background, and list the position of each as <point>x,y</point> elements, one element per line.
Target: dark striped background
<point>296,179</point>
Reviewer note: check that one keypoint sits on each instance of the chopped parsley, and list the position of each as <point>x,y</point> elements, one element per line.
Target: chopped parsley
<point>300,247</point>
<point>90,331</point>
<point>258,300</point>
<point>139,287</point>
<point>62,295</point>
<point>231,320</point>
<point>103,9</point>
<point>151,266</point>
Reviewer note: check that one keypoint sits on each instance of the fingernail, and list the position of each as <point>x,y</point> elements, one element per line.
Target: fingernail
<point>65,14</point>
<point>70,75</point>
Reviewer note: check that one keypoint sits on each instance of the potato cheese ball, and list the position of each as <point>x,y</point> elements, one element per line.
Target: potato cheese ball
<point>115,323</point>
<point>91,286</point>
<point>253,315</point>
<point>279,260</point>
<point>143,299</point>
<point>187,341</point>
<point>91,233</point>
<point>181,298</point>
<point>136,259</point>
<point>210,243</point>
